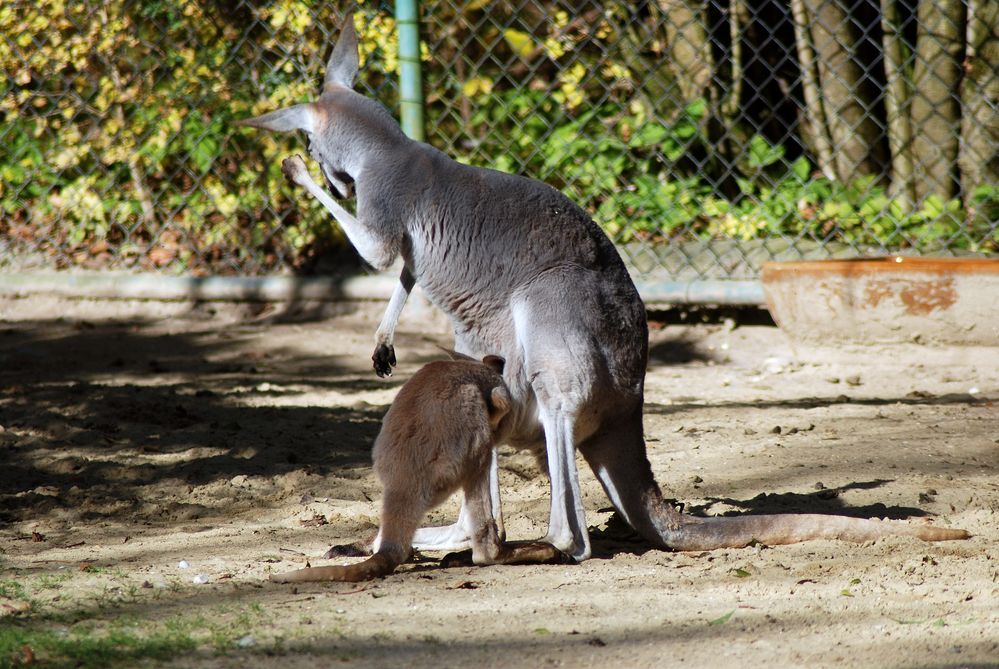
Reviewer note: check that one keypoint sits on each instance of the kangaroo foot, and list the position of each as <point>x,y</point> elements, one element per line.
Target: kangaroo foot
<point>514,552</point>
<point>457,559</point>
<point>532,552</point>
<point>356,549</point>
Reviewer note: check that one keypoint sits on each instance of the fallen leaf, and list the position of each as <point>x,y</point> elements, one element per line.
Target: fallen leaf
<point>722,620</point>
<point>317,520</point>
<point>27,655</point>
<point>11,607</point>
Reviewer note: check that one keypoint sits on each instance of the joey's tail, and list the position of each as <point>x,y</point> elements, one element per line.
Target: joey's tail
<point>394,549</point>
<point>402,509</point>
<point>690,533</point>
<point>378,565</point>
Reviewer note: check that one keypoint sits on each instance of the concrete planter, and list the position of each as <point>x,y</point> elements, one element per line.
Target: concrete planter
<point>886,300</point>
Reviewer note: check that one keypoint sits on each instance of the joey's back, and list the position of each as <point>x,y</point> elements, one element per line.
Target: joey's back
<point>440,426</point>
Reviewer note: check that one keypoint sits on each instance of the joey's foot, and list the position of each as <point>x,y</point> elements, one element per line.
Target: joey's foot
<point>356,549</point>
<point>458,559</point>
<point>384,359</point>
<point>293,167</point>
<point>515,552</point>
<point>533,552</point>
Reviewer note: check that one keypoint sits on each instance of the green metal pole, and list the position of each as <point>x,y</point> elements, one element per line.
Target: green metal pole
<point>407,15</point>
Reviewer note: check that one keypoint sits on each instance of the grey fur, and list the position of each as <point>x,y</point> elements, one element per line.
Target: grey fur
<point>523,273</point>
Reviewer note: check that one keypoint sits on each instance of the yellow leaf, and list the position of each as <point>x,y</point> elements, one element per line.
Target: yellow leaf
<point>522,43</point>
<point>477,85</point>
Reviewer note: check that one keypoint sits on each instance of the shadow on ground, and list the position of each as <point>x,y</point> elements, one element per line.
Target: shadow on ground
<point>94,417</point>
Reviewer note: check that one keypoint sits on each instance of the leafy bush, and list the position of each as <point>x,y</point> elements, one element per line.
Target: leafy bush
<point>118,145</point>
<point>118,128</point>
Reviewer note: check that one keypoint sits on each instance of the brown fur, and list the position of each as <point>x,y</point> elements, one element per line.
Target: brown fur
<point>437,438</point>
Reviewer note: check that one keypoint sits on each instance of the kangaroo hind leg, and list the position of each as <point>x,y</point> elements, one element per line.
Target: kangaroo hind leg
<point>616,454</point>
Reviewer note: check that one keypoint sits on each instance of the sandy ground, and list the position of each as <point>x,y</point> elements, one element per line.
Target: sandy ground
<point>136,436</point>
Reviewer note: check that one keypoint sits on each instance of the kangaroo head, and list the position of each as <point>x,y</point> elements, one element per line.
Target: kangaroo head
<point>344,127</point>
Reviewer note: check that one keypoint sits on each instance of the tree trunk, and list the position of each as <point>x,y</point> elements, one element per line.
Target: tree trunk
<point>693,65</point>
<point>979,152</point>
<point>690,47</point>
<point>897,99</point>
<point>814,123</point>
<point>855,134</point>
<point>936,111</point>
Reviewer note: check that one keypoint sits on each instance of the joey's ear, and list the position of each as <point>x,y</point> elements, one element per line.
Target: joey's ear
<point>299,117</point>
<point>499,406</point>
<point>495,362</point>
<point>341,70</point>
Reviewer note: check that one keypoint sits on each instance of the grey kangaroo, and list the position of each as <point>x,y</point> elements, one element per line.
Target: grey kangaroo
<point>524,273</point>
<point>437,438</point>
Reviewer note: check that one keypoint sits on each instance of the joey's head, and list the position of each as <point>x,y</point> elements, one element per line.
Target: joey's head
<point>344,128</point>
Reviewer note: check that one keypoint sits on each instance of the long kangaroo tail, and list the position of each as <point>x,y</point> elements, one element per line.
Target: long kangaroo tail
<point>618,459</point>
<point>690,533</point>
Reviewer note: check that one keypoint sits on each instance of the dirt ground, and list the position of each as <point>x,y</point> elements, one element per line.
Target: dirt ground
<point>157,461</point>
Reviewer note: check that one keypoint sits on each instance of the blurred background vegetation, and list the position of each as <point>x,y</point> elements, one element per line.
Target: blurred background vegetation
<point>808,128</point>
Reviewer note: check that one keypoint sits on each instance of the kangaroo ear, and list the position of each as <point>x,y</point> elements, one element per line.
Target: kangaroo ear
<point>341,70</point>
<point>495,362</point>
<point>299,117</point>
<point>499,406</point>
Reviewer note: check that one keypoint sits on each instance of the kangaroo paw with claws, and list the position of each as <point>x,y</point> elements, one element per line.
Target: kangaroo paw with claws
<point>384,359</point>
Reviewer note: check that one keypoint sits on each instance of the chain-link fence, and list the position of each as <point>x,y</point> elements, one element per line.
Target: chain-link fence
<point>705,137</point>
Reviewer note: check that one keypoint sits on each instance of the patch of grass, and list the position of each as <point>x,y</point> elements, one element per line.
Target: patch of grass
<point>117,646</point>
<point>12,589</point>
<point>723,619</point>
<point>53,581</point>
<point>101,634</point>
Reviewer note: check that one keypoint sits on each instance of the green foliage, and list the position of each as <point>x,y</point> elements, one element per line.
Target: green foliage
<point>118,126</point>
<point>630,173</point>
<point>118,141</point>
<point>648,168</point>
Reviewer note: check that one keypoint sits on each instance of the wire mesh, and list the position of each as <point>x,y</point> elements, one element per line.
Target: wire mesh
<point>706,137</point>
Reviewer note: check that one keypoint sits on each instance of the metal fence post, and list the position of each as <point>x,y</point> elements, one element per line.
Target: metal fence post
<point>410,78</point>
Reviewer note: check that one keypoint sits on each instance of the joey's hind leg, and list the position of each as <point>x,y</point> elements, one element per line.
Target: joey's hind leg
<point>457,537</point>
<point>487,545</point>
